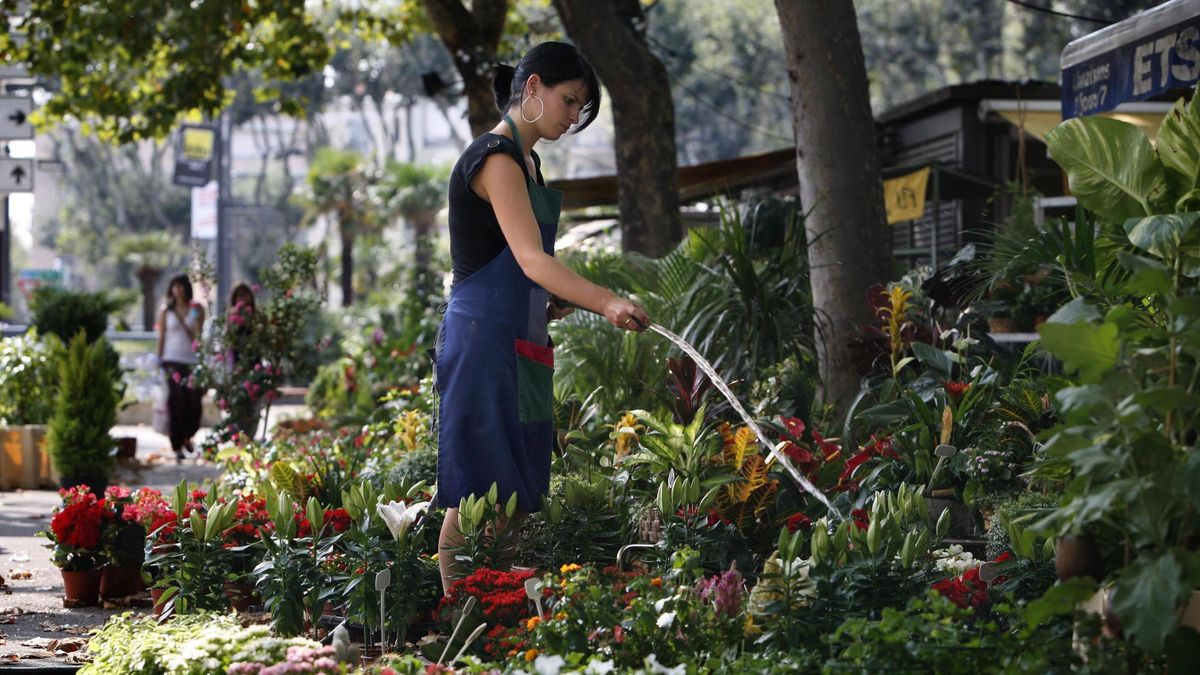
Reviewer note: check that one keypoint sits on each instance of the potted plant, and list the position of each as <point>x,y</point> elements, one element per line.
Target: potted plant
<point>75,543</point>
<point>1126,445</point>
<point>85,409</point>
<point>123,539</point>
<point>28,378</point>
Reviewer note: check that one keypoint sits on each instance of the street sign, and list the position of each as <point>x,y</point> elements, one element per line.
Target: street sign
<point>204,211</point>
<point>16,175</point>
<point>1148,54</point>
<point>14,118</point>
<point>194,155</point>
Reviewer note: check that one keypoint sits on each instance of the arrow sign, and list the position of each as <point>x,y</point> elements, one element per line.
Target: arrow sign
<point>16,175</point>
<point>14,118</point>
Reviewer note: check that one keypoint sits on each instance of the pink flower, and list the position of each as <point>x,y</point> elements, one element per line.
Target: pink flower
<point>176,377</point>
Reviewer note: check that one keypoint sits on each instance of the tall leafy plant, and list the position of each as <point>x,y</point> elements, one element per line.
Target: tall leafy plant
<point>85,409</point>
<point>1127,441</point>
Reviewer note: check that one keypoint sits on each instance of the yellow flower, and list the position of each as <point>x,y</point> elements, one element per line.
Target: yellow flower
<point>532,622</point>
<point>531,654</point>
<point>570,567</point>
<point>749,628</point>
<point>561,616</point>
<point>625,441</point>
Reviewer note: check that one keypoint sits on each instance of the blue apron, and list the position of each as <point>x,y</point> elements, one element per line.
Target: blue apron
<point>494,371</point>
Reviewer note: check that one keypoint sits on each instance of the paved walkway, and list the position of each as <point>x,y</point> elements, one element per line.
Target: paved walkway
<point>31,608</point>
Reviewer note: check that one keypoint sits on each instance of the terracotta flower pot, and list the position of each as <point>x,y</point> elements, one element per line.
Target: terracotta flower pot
<point>120,581</point>
<point>1077,556</point>
<point>156,597</point>
<point>81,588</point>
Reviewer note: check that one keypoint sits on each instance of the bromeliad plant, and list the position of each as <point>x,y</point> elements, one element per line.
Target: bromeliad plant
<point>1127,443</point>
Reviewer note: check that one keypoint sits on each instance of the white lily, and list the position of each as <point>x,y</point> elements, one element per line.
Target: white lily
<point>399,517</point>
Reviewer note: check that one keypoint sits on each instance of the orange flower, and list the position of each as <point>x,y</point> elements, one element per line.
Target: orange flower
<point>656,582</point>
<point>532,622</point>
<point>531,654</point>
<point>561,616</point>
<point>570,567</point>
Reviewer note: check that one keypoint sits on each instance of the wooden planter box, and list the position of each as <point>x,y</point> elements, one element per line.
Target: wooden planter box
<point>24,462</point>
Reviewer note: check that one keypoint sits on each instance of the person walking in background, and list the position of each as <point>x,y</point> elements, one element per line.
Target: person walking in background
<point>494,360</point>
<point>242,356</point>
<point>179,325</point>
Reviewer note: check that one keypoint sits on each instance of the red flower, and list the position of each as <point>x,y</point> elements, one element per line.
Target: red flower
<point>338,519</point>
<point>799,521</point>
<point>956,389</point>
<point>861,519</point>
<point>78,524</point>
<point>878,447</point>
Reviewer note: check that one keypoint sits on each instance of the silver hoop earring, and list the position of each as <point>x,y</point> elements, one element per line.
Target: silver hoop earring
<point>541,108</point>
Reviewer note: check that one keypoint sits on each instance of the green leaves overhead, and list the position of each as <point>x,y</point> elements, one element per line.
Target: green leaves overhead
<point>1111,166</point>
<point>132,68</point>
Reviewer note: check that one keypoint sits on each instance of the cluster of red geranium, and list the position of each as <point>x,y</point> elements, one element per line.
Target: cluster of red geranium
<point>250,519</point>
<point>968,590</point>
<point>502,601</point>
<point>79,522</point>
<point>336,522</point>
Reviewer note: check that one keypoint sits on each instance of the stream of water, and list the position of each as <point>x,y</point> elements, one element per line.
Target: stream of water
<point>737,406</point>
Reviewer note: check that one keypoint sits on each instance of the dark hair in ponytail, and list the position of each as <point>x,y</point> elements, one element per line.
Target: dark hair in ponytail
<point>554,63</point>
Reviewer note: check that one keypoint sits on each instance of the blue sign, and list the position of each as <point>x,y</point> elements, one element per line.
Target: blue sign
<point>1135,64</point>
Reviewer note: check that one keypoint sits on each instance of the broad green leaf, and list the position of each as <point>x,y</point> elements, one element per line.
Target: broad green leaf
<point>1059,600</point>
<point>1080,399</point>
<point>1178,139</point>
<point>1163,399</point>
<point>1074,311</point>
<point>1147,275</point>
<point>1160,234</point>
<point>1111,167</point>
<point>1146,597</point>
<point>1084,347</point>
<point>933,357</point>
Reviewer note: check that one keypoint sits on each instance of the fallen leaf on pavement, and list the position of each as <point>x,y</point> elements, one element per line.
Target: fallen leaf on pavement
<point>12,611</point>
<point>66,646</point>
<point>71,629</point>
<point>20,574</point>
<point>39,643</point>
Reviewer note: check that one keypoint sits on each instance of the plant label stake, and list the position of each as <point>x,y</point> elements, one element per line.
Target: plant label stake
<point>382,580</point>
<point>943,452</point>
<point>533,588</point>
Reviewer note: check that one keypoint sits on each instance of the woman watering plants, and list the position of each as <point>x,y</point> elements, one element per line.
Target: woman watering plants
<point>495,362</point>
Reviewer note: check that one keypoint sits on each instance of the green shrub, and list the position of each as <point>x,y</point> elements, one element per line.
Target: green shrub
<point>416,465</point>
<point>85,409</point>
<point>28,378</point>
<point>64,313</point>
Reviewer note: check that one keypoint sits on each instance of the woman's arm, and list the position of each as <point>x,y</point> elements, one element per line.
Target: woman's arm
<point>502,183</point>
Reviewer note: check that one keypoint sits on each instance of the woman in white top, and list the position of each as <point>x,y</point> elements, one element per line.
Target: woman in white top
<point>179,326</point>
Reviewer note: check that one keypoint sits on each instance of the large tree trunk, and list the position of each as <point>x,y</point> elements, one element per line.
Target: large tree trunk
<point>610,34</point>
<point>472,37</point>
<point>838,162</point>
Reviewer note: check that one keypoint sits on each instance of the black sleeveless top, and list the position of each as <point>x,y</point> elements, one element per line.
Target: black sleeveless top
<point>475,235</point>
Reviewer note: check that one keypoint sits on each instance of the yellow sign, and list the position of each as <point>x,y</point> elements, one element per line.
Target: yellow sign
<point>197,144</point>
<point>904,196</point>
